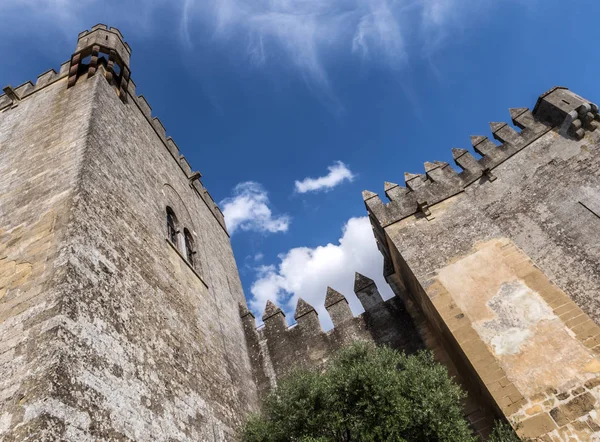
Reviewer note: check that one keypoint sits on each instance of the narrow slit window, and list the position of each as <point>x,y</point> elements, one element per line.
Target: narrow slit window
<point>171,226</point>
<point>189,247</point>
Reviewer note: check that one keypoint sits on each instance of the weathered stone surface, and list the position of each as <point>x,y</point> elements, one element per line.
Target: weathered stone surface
<point>303,308</point>
<point>593,383</point>
<point>534,410</point>
<point>271,310</point>
<point>536,426</point>
<point>361,282</point>
<point>39,170</point>
<point>366,291</point>
<point>579,406</point>
<point>559,417</point>
<point>333,297</point>
<point>108,331</point>
<point>507,271</point>
<point>577,391</point>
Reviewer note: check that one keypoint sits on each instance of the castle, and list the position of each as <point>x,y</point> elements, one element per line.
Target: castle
<point>122,316</point>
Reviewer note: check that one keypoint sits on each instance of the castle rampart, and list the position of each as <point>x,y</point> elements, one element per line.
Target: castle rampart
<point>280,349</point>
<point>277,349</point>
<point>504,266</point>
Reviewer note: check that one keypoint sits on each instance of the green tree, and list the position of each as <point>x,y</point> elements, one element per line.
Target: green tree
<point>366,393</point>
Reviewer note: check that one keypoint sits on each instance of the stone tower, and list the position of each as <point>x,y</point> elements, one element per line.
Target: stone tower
<point>119,292</point>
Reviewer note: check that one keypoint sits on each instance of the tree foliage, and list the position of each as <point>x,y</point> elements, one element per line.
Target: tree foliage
<point>503,432</point>
<point>366,393</point>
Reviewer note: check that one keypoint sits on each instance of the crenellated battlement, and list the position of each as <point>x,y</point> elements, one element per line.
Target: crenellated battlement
<point>335,303</point>
<point>12,96</point>
<point>103,50</point>
<point>557,109</point>
<point>106,37</point>
<point>173,148</point>
<point>279,348</point>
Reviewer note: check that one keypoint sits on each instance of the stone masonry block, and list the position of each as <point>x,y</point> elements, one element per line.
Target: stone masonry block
<point>592,383</point>
<point>536,426</point>
<point>578,406</point>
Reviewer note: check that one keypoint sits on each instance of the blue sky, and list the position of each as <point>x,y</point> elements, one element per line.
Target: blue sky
<point>290,108</point>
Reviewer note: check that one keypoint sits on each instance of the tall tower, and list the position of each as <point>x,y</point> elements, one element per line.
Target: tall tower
<point>119,291</point>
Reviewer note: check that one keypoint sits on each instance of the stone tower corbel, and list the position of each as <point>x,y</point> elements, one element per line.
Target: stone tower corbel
<point>12,95</point>
<point>102,40</point>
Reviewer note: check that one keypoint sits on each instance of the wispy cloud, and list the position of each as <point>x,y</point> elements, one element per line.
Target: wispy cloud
<point>379,29</point>
<point>313,34</point>
<point>304,31</point>
<point>338,173</point>
<point>306,272</point>
<point>64,19</point>
<point>248,209</point>
<point>307,34</point>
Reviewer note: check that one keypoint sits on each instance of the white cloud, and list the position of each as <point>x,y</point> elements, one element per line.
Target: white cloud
<point>248,209</point>
<point>338,173</point>
<point>306,272</point>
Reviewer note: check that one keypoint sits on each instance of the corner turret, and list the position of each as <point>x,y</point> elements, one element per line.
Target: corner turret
<point>102,40</point>
<point>572,113</point>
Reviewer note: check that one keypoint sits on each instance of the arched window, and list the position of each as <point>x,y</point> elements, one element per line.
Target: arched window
<point>189,246</point>
<point>171,226</point>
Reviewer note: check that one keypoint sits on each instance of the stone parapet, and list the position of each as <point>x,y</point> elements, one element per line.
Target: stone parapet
<point>278,348</point>
<point>558,108</point>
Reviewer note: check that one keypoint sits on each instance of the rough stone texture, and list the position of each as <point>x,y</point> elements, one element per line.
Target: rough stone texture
<point>108,332</point>
<point>506,270</point>
<point>42,143</point>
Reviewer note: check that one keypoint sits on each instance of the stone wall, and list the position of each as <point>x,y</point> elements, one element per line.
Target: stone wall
<point>277,349</point>
<point>42,141</point>
<point>506,267</point>
<point>109,332</point>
